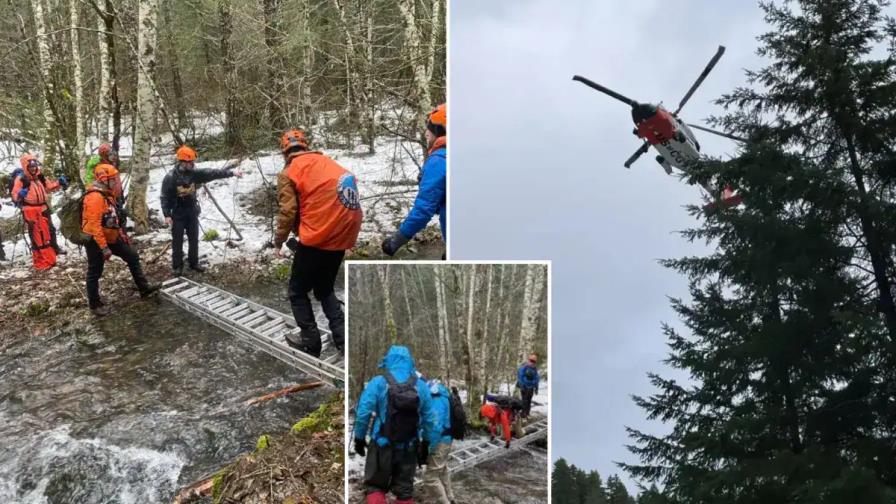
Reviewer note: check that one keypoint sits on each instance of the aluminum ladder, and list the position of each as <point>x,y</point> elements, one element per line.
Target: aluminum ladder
<point>487,450</point>
<point>467,457</point>
<point>260,326</point>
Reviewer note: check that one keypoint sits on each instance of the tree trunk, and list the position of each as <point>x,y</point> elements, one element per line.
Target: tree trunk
<point>146,109</point>
<point>391,330</point>
<point>176,81</point>
<point>104,121</point>
<point>442,316</point>
<point>413,40</point>
<point>471,354</point>
<point>48,135</point>
<point>530,311</point>
<point>483,341</point>
<point>114,95</point>
<point>231,129</point>
<point>78,147</point>
<point>273,41</point>
<point>307,65</point>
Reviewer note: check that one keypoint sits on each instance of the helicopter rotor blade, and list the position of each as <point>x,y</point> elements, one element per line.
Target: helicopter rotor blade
<point>607,91</point>
<point>634,157</point>
<point>715,132</point>
<point>715,59</point>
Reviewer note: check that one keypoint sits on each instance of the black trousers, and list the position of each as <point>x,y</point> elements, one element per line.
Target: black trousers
<point>95,265</point>
<point>526,394</point>
<point>390,469</point>
<point>315,270</point>
<point>185,219</point>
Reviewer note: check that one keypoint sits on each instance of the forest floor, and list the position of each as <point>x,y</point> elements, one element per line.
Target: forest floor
<point>301,466</point>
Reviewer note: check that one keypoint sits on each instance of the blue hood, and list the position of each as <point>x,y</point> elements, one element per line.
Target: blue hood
<point>399,362</point>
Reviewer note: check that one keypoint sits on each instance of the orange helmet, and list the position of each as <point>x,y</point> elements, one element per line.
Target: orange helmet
<point>437,120</point>
<point>104,172</point>
<point>293,138</point>
<point>185,153</point>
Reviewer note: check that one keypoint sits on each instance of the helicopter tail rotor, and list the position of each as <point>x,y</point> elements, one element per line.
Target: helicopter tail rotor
<point>607,91</point>
<point>715,59</point>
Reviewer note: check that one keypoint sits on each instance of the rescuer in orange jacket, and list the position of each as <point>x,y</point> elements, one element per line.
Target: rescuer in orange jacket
<point>319,202</point>
<point>99,218</point>
<point>29,192</point>
<point>495,414</point>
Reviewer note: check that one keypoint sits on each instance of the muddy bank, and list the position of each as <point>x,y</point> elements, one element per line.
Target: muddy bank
<point>302,465</point>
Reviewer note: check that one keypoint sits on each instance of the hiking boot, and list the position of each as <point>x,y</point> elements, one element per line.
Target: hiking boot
<point>100,310</point>
<point>198,268</point>
<point>311,350</point>
<point>177,272</point>
<point>149,290</point>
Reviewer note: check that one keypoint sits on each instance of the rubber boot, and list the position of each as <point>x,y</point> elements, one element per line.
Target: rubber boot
<point>333,310</point>
<point>309,340</point>
<point>376,498</point>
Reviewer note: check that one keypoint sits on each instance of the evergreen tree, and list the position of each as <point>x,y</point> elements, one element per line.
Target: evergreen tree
<point>652,496</point>
<point>563,489</point>
<point>792,319</point>
<point>616,492</point>
<point>595,493</point>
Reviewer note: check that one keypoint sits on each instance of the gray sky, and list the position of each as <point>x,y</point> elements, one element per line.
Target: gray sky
<point>536,173</point>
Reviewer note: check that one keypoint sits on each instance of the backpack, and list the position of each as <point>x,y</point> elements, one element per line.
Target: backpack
<point>70,218</point>
<point>458,428</point>
<point>12,180</point>
<point>402,410</point>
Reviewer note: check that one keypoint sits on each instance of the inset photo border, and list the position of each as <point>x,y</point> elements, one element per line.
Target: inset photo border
<point>433,345</point>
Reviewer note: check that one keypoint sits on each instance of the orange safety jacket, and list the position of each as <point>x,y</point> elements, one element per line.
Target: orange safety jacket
<point>495,414</point>
<point>38,187</point>
<point>319,202</point>
<point>99,218</point>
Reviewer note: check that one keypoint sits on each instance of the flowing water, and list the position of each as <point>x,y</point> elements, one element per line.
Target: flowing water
<point>139,404</point>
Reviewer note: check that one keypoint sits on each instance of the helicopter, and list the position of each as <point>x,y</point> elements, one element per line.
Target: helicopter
<point>672,138</point>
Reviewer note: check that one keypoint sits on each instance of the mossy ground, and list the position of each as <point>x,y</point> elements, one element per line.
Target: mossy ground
<point>302,466</point>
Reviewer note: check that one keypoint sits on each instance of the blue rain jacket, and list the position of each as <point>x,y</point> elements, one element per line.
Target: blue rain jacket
<point>374,398</point>
<point>526,383</point>
<point>441,405</point>
<point>430,198</point>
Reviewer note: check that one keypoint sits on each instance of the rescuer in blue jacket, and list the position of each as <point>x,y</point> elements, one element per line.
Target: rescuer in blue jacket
<point>437,479</point>
<point>396,448</point>
<point>527,381</point>
<point>431,197</point>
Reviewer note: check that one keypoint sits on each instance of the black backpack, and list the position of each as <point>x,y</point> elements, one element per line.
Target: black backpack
<point>458,428</point>
<point>402,410</point>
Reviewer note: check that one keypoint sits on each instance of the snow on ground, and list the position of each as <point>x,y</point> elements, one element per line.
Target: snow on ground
<point>386,182</point>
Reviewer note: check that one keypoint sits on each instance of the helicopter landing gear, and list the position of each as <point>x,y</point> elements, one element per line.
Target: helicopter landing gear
<point>666,166</point>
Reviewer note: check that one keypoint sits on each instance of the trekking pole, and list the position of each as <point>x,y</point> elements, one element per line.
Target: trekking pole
<point>221,210</point>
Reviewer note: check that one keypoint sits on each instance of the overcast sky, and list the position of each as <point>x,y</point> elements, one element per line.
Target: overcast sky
<point>536,173</point>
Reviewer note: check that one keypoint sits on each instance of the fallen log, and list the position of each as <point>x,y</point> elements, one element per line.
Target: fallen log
<point>285,391</point>
<point>195,491</point>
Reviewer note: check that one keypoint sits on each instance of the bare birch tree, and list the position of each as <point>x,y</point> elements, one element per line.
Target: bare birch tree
<point>146,112</point>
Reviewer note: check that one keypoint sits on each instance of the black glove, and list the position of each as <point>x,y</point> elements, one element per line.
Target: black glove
<point>391,244</point>
<point>360,446</point>
<point>422,453</point>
